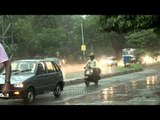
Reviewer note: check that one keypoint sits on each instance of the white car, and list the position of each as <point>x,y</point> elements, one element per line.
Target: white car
<point>111,61</point>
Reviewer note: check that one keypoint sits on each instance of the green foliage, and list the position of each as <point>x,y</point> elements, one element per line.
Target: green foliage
<point>125,23</point>
<point>132,67</point>
<point>140,31</point>
<point>44,35</point>
<point>23,36</point>
<point>145,39</point>
<point>139,52</point>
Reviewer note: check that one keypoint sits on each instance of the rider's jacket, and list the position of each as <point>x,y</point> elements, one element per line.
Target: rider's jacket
<point>91,63</point>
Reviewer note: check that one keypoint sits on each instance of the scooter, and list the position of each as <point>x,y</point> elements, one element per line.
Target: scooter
<point>92,75</point>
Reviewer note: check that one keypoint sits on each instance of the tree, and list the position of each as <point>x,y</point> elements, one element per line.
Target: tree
<point>125,23</point>
<point>44,35</point>
<point>24,37</point>
<point>140,30</point>
<point>145,39</point>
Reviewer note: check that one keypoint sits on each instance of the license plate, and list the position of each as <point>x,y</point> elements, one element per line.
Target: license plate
<point>4,96</point>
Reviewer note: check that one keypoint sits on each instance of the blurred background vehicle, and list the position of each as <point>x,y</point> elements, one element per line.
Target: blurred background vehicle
<point>111,61</point>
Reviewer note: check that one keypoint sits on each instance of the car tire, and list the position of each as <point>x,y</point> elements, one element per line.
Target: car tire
<point>57,91</point>
<point>29,96</point>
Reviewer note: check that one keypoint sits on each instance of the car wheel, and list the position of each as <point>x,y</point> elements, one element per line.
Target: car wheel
<point>87,83</point>
<point>57,91</point>
<point>29,96</point>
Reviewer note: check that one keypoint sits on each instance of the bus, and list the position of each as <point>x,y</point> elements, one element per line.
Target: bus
<point>128,56</point>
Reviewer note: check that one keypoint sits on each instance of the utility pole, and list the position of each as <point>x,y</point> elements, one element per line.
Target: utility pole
<point>83,46</point>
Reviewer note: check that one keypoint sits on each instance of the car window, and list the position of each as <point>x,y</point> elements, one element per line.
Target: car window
<point>32,66</point>
<point>56,66</point>
<point>50,67</point>
<point>41,68</point>
<point>25,66</point>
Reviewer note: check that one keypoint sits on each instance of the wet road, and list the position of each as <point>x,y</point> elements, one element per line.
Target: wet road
<point>71,72</point>
<point>139,88</point>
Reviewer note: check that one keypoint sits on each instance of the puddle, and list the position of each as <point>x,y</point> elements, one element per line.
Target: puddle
<point>123,93</point>
<point>127,91</point>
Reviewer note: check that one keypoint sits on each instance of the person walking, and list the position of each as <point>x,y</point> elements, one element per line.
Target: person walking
<point>4,61</point>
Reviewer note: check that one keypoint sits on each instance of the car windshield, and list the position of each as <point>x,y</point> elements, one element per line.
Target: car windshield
<point>20,66</point>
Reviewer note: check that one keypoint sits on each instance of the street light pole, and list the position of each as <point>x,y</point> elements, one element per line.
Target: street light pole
<point>82,39</point>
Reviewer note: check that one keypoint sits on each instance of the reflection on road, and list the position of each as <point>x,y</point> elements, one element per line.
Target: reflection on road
<point>127,91</point>
<point>131,92</point>
<point>151,82</point>
<point>119,90</point>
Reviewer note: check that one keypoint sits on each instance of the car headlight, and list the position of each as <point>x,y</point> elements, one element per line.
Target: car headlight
<point>18,85</point>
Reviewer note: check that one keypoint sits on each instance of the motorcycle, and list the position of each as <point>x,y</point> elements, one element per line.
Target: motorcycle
<point>92,75</point>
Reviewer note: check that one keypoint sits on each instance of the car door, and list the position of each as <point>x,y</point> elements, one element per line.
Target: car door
<point>59,74</point>
<point>51,81</point>
<point>41,78</point>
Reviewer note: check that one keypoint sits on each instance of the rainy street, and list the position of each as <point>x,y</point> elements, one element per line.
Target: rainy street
<point>51,59</point>
<point>138,88</point>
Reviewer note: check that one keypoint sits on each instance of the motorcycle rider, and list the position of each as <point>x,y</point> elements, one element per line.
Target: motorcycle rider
<point>92,64</point>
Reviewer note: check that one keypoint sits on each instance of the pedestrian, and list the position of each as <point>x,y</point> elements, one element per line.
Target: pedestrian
<point>4,60</point>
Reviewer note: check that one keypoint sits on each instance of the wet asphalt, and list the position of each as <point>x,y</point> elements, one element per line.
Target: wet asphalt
<point>138,88</point>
